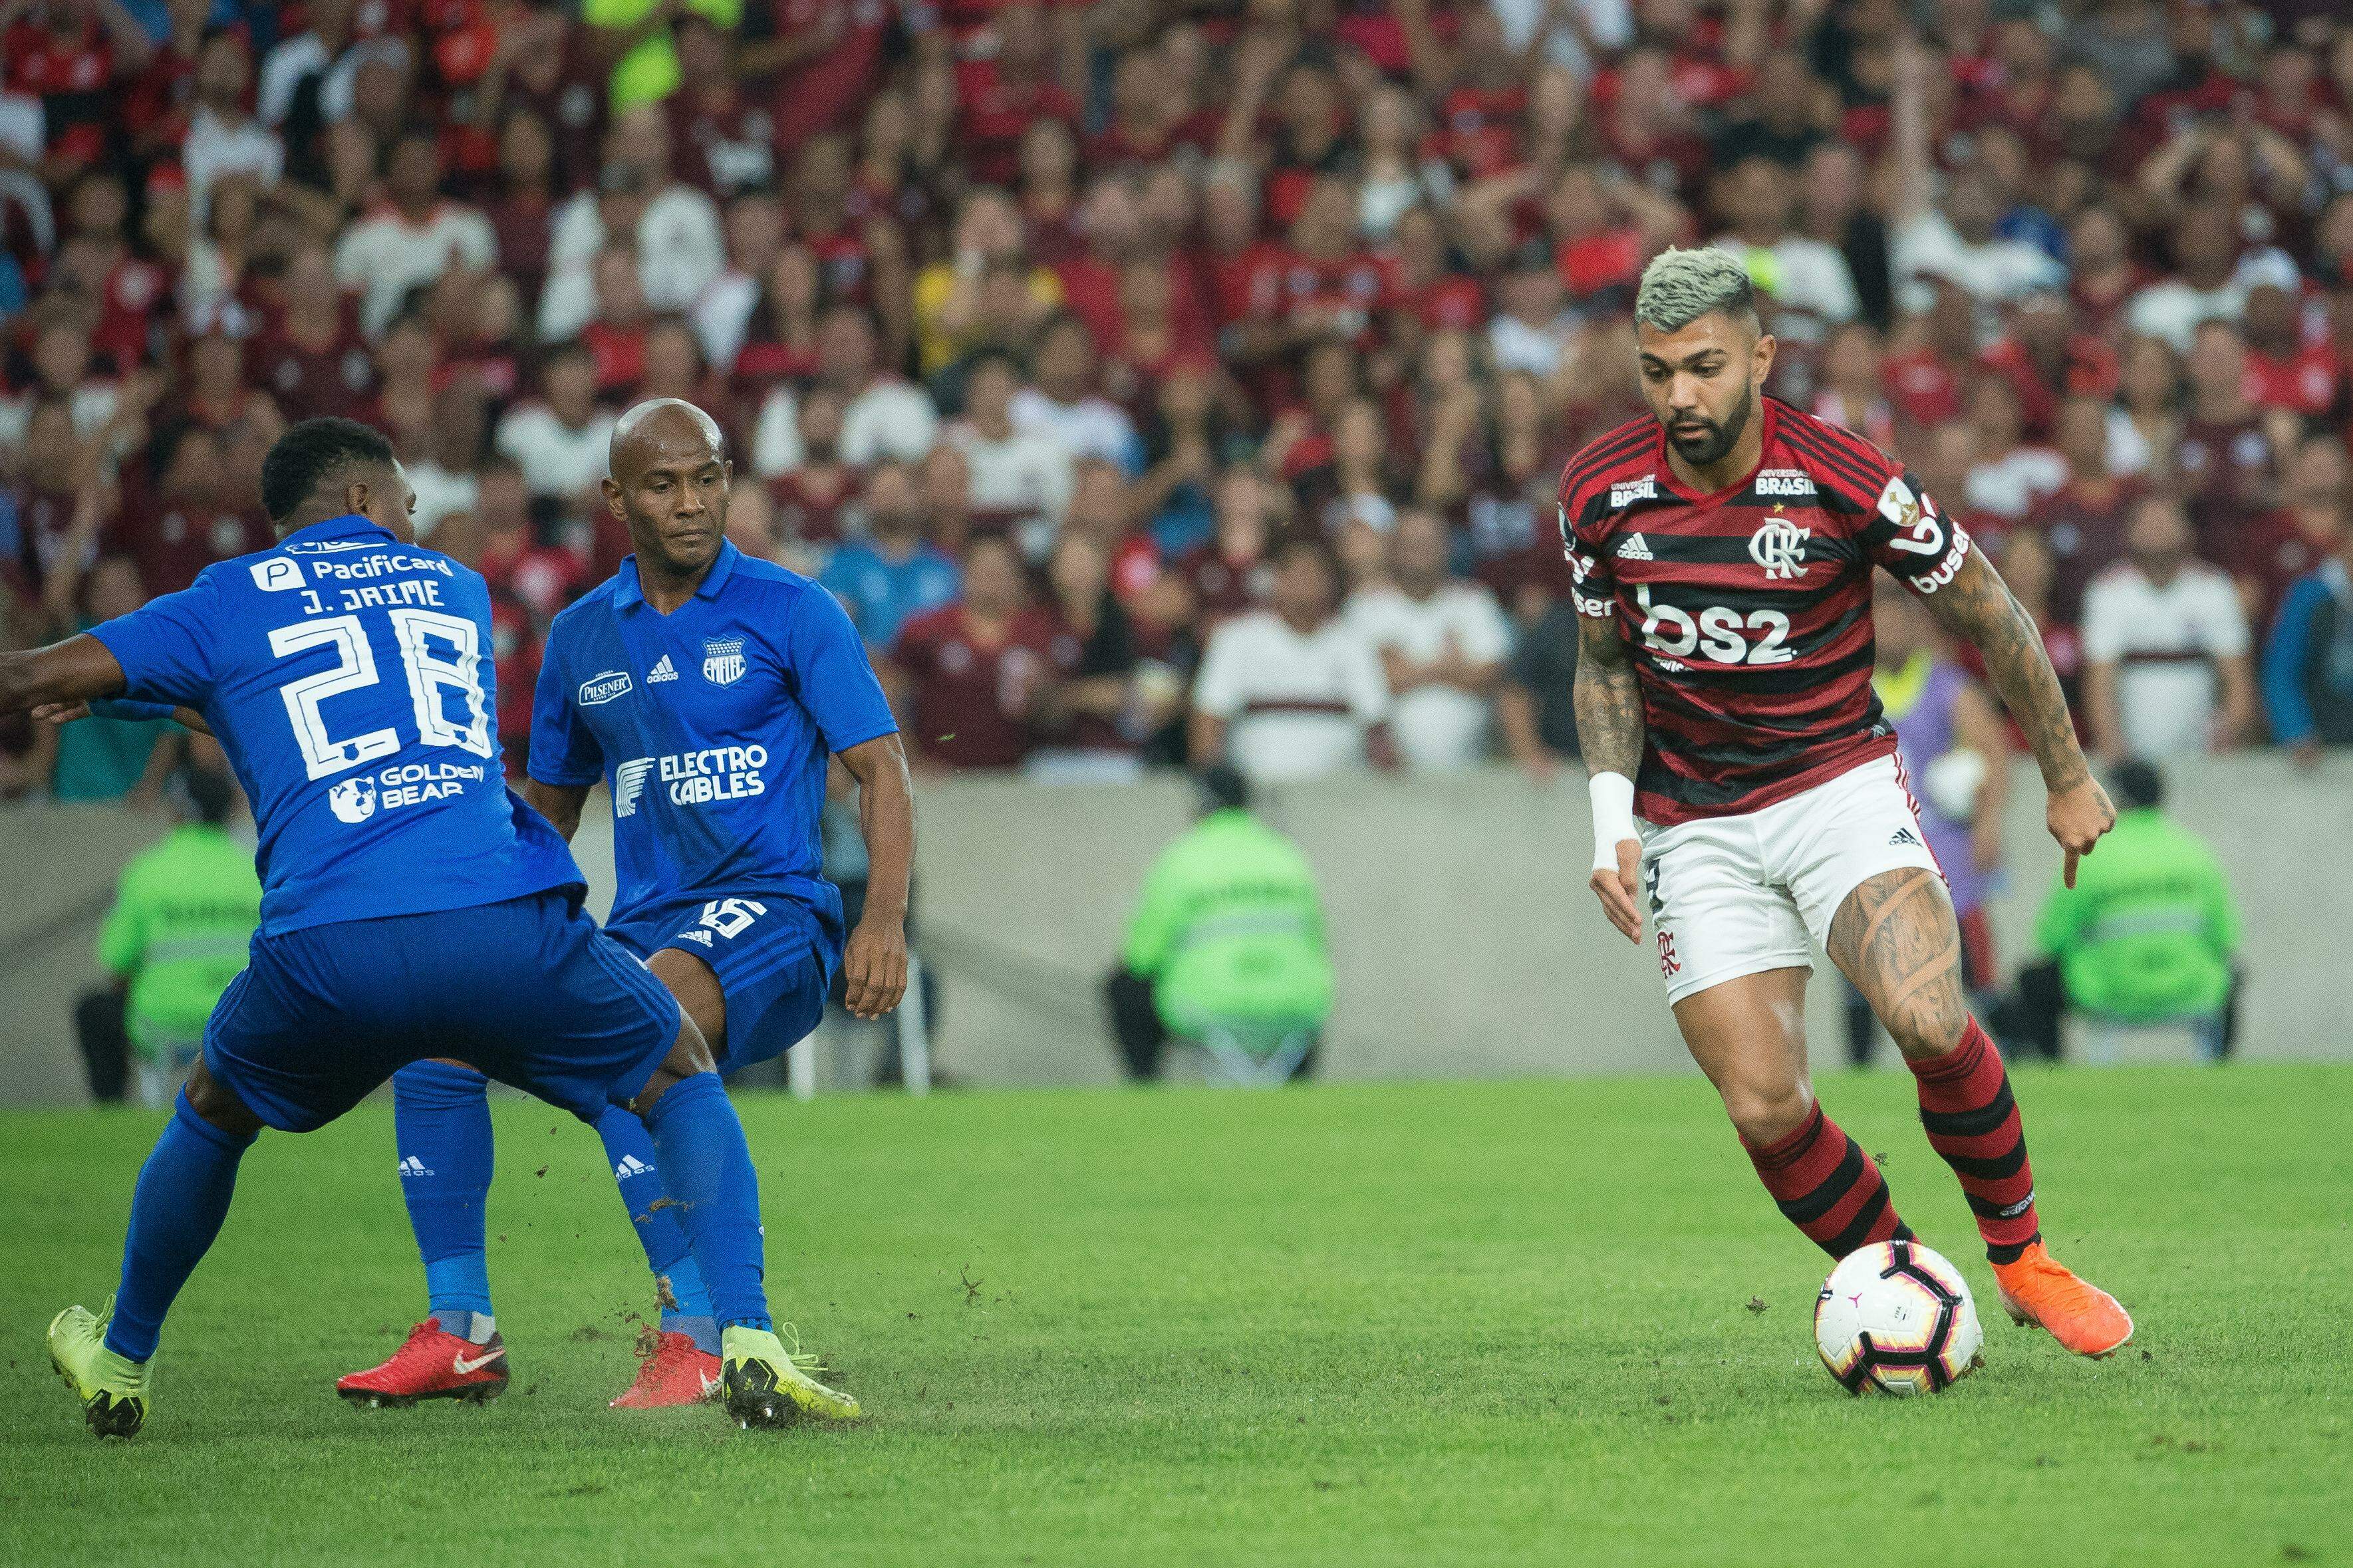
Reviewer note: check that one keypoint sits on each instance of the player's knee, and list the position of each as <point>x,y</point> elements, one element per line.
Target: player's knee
<point>1922,1031</point>
<point>218,1104</point>
<point>1765,1113</point>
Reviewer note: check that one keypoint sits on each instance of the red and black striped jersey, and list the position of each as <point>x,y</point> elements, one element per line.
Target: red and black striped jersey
<point>1747,613</point>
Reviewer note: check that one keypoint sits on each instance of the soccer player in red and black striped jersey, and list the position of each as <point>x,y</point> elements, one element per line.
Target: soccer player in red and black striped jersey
<point>1745,779</point>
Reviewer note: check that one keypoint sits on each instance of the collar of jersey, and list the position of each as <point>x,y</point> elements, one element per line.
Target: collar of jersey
<point>343,527</point>
<point>628,595</point>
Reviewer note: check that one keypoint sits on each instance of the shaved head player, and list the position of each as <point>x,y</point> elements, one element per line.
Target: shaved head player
<point>706,688</point>
<point>1746,785</point>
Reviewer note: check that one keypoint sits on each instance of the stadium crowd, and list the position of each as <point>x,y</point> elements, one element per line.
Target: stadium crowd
<point>1159,378</point>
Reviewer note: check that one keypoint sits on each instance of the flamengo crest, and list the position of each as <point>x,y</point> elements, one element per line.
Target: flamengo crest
<point>1778,545</point>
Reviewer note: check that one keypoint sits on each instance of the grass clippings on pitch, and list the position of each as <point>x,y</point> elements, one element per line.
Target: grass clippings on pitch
<point>1414,1323</point>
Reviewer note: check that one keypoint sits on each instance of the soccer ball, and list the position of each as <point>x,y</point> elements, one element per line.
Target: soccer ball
<point>1895,1318</point>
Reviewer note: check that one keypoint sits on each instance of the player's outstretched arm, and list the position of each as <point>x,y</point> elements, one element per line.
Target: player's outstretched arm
<point>67,672</point>
<point>874,965</point>
<point>1609,733</point>
<point>1979,606</point>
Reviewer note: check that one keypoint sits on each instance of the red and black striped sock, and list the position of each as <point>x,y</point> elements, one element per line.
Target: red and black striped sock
<point>1826,1186</point>
<point>1972,1121</point>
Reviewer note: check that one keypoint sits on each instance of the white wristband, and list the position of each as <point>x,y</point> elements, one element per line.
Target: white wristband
<point>1613,816</point>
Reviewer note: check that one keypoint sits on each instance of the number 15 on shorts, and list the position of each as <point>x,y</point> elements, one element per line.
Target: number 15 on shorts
<point>731,917</point>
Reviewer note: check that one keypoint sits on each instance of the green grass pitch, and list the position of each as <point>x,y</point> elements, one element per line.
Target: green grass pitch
<point>1408,1323</point>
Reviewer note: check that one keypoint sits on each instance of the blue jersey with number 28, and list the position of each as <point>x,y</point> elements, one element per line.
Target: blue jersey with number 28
<point>350,678</point>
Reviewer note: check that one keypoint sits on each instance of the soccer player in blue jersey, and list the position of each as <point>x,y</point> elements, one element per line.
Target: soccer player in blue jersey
<point>707,690</point>
<point>411,906</point>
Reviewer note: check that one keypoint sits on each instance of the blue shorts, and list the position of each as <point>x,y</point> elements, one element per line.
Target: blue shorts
<point>773,957</point>
<point>528,990</point>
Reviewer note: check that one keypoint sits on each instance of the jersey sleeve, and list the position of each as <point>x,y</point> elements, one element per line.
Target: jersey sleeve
<point>563,749</point>
<point>838,684</point>
<point>1899,526</point>
<point>1592,589</point>
<point>165,645</point>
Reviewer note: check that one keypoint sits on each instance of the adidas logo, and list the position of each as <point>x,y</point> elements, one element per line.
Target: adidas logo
<point>697,936</point>
<point>412,1166</point>
<point>631,1165</point>
<point>662,670</point>
<point>1904,835</point>
<point>1631,548</point>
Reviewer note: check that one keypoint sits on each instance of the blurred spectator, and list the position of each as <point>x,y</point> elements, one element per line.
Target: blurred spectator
<point>2223,463</point>
<point>1063,404</point>
<point>2165,647</point>
<point>414,238</point>
<point>2271,551</point>
<point>950,304</point>
<point>1441,644</point>
<point>2148,934</point>
<point>1020,479</point>
<point>1536,707</point>
<point>883,416</point>
<point>2009,475</point>
<point>892,573</point>
<point>185,911</point>
<point>2081,521</point>
<point>2308,663</point>
<point>641,207</point>
<point>1806,280</point>
<point>560,441</point>
<point>1104,699</point>
<point>965,683</point>
<point>1293,691</point>
<point>104,759</point>
<point>1953,234</point>
<point>1227,940</point>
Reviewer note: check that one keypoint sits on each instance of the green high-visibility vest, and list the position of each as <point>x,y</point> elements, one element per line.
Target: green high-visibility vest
<point>1231,930</point>
<point>2148,928</point>
<point>183,915</point>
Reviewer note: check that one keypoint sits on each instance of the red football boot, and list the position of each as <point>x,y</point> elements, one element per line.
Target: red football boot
<point>674,1372</point>
<point>431,1364</point>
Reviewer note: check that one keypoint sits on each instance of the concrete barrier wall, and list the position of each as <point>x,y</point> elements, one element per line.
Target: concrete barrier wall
<point>1465,939</point>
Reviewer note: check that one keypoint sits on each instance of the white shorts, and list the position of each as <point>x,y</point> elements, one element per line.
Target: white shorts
<point>1738,895</point>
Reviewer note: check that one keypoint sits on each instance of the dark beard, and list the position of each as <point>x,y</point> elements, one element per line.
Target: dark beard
<point>1710,446</point>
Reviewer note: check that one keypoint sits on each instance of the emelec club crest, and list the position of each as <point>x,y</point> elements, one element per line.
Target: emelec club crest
<point>1778,545</point>
<point>722,660</point>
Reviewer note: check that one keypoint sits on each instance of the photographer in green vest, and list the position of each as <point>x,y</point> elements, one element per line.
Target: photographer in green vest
<point>1226,947</point>
<point>185,913</point>
<point>2148,934</point>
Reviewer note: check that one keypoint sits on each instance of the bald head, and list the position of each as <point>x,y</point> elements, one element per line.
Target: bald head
<point>658,426</point>
<point>669,484</point>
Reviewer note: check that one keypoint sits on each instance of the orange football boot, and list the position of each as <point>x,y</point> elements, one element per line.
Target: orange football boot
<point>2038,1288</point>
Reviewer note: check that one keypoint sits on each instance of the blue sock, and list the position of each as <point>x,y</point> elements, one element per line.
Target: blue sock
<point>638,1173</point>
<point>176,1211</point>
<point>708,1170</point>
<point>441,1120</point>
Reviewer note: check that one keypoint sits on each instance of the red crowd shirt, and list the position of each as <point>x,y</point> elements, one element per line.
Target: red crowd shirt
<point>822,93</point>
<point>1747,613</point>
<point>970,699</point>
<point>996,114</point>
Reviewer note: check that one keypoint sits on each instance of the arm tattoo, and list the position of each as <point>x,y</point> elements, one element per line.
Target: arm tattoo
<point>1608,701</point>
<point>1978,604</point>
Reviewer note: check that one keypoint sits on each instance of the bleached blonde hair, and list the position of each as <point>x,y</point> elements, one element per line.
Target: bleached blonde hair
<point>1679,287</point>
